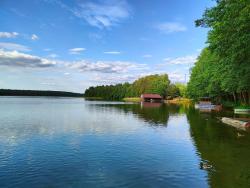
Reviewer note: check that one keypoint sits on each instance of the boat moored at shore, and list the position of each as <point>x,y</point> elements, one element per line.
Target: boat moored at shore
<point>205,105</point>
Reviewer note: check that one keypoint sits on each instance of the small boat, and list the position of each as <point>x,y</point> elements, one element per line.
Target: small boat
<point>205,105</point>
<point>239,123</point>
<point>242,111</point>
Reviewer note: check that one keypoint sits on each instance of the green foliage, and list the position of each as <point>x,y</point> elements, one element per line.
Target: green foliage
<point>156,84</point>
<point>229,36</point>
<point>223,69</point>
<point>205,77</point>
<point>182,89</point>
<point>110,92</point>
<point>246,107</point>
<point>173,91</point>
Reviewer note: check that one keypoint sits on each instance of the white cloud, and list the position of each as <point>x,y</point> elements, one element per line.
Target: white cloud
<point>147,56</point>
<point>185,60</point>
<point>177,77</point>
<point>48,83</point>
<point>104,66</point>
<point>174,76</point>
<point>53,56</point>
<point>34,37</point>
<point>170,27</point>
<point>113,78</point>
<point>113,52</point>
<point>76,50</point>
<point>17,59</point>
<point>99,71</point>
<point>13,46</point>
<point>8,34</point>
<point>103,14</point>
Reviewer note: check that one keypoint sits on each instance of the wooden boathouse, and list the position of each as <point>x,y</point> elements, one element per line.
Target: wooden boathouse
<point>151,98</point>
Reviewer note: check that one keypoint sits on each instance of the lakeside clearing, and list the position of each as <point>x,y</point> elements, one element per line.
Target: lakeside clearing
<point>184,101</point>
<point>178,100</point>
<point>132,99</point>
<point>94,98</point>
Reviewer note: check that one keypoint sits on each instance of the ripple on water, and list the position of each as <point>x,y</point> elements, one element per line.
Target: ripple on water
<point>64,143</point>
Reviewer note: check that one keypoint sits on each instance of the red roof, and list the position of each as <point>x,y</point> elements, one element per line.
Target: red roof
<point>151,96</point>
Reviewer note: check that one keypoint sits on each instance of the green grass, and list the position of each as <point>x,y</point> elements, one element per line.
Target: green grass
<point>242,107</point>
<point>132,99</point>
<point>184,101</point>
<point>93,98</point>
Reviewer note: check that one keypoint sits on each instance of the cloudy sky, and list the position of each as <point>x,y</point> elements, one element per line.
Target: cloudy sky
<point>71,45</point>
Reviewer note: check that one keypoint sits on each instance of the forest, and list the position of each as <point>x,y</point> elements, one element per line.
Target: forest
<point>157,84</point>
<point>222,70</point>
<point>11,92</point>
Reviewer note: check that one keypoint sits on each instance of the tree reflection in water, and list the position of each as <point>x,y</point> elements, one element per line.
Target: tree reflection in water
<point>215,142</point>
<point>219,144</point>
<point>153,113</point>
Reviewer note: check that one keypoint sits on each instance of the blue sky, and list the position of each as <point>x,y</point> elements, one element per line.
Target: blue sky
<point>71,45</point>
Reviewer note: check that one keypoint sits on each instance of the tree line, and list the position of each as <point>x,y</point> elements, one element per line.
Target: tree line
<point>155,84</point>
<point>12,92</point>
<point>222,70</point>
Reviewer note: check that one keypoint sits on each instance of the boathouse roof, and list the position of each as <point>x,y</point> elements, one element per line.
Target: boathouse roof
<point>151,96</point>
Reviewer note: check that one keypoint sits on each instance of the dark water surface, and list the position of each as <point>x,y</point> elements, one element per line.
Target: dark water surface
<point>69,142</point>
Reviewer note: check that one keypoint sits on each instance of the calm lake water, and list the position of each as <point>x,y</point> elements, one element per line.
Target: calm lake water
<point>70,142</point>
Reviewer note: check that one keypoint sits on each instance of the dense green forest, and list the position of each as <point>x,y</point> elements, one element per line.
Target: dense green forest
<point>223,68</point>
<point>157,84</point>
<point>10,92</point>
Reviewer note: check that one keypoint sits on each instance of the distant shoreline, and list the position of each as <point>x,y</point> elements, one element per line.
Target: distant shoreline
<point>42,93</point>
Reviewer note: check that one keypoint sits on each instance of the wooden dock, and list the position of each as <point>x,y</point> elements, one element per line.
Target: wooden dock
<point>237,123</point>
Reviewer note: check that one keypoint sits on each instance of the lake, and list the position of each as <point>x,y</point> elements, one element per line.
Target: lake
<point>70,142</point>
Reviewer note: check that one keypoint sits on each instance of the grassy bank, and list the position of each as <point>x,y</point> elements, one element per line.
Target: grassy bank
<point>184,101</point>
<point>93,98</point>
<point>246,107</point>
<point>132,99</point>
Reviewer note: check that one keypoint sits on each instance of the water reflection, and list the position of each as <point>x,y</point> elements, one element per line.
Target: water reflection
<point>152,113</point>
<point>48,142</point>
<point>22,122</point>
<point>25,117</point>
<point>116,144</point>
<point>223,148</point>
<point>156,114</point>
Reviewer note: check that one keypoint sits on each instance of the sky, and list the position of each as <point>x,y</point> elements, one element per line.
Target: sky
<point>71,45</point>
